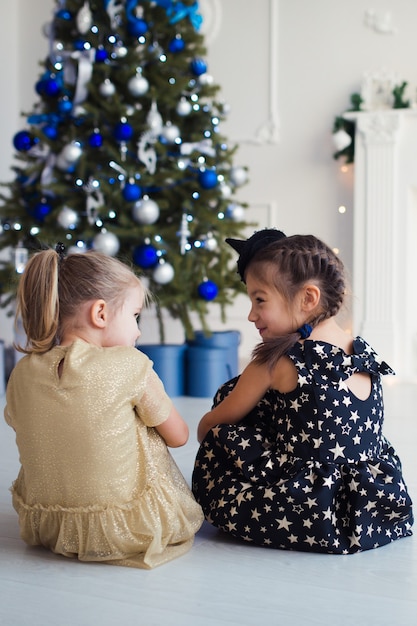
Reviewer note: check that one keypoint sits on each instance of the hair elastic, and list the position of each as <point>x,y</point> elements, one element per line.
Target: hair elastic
<point>60,250</point>
<point>305,331</point>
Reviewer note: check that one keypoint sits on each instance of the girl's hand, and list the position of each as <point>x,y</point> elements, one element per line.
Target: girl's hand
<point>174,431</point>
<point>204,426</point>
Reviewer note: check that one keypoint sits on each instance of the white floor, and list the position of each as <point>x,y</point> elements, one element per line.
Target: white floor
<point>220,581</point>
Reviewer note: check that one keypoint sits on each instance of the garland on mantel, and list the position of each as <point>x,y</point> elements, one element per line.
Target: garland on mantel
<point>344,130</point>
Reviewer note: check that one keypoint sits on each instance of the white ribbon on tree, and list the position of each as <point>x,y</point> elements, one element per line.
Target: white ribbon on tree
<point>204,147</point>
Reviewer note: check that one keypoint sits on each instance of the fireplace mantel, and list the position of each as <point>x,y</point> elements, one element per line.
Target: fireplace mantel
<point>385,235</point>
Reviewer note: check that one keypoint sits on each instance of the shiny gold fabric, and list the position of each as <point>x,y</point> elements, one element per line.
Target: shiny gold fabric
<point>97,481</point>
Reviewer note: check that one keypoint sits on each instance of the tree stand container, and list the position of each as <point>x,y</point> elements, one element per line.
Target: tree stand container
<point>211,361</point>
<point>169,363</point>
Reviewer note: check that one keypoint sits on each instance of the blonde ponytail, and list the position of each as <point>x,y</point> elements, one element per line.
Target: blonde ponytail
<point>38,302</point>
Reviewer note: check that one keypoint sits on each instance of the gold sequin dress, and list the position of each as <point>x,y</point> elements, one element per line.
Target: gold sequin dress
<point>97,481</point>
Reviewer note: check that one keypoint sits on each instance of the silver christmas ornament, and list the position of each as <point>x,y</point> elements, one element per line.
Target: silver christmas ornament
<point>236,212</point>
<point>170,132</point>
<point>210,243</point>
<point>145,211</point>
<point>107,88</point>
<point>184,107</point>
<point>71,152</point>
<point>238,176</point>
<point>163,273</point>
<point>84,19</point>
<point>107,243</point>
<point>138,85</point>
<point>205,79</point>
<point>121,51</point>
<point>225,190</point>
<point>154,119</point>
<point>68,156</point>
<point>67,218</point>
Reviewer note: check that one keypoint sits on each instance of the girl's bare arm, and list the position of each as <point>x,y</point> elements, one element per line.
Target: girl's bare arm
<point>251,386</point>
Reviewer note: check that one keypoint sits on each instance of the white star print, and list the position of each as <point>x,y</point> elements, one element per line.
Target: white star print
<point>337,451</point>
<point>354,416</point>
<point>374,469</point>
<point>353,485</point>
<point>295,406</point>
<point>283,523</point>
<point>368,424</point>
<point>354,540</point>
<point>328,482</point>
<point>255,514</point>
<point>310,540</point>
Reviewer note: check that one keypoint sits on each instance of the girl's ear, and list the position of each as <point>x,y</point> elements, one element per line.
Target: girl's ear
<point>311,297</point>
<point>99,313</point>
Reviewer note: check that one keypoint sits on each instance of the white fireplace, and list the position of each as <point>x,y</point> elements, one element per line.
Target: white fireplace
<point>385,235</point>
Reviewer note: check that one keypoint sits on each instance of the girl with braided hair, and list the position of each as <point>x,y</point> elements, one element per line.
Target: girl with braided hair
<point>292,453</point>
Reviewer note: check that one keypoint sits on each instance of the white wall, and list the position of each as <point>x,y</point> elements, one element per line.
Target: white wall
<point>287,68</point>
<point>24,47</point>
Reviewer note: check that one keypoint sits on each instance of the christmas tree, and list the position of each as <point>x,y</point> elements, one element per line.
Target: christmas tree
<point>123,153</point>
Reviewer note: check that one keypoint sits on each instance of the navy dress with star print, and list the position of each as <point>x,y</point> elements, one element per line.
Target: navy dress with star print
<point>308,470</point>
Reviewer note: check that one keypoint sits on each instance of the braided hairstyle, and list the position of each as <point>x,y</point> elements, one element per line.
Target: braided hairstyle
<point>290,263</point>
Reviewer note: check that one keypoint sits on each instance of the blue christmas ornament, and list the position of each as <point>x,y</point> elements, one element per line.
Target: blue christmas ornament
<point>41,210</point>
<point>208,290</point>
<point>101,55</point>
<point>50,131</point>
<point>79,44</point>
<point>63,14</point>
<point>145,256</point>
<point>131,192</point>
<point>40,86</point>
<point>137,27</point>
<point>198,67</point>
<point>123,131</point>
<point>207,179</point>
<point>177,44</point>
<point>51,87</point>
<point>65,106</point>
<point>23,141</point>
<point>95,140</point>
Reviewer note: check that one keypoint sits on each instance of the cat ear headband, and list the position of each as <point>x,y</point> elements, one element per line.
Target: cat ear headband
<point>247,248</point>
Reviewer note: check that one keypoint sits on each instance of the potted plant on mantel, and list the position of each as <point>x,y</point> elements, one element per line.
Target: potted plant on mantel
<point>122,153</point>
